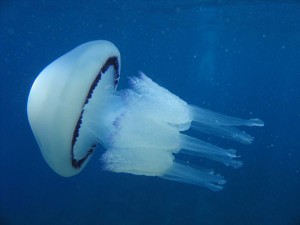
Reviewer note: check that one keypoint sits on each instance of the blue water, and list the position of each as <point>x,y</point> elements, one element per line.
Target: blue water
<point>240,59</point>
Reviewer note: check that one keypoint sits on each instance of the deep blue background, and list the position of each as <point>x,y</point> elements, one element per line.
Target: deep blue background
<point>241,59</point>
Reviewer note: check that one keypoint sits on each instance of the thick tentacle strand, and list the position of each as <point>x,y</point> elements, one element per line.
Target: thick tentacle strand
<point>138,161</point>
<point>196,147</point>
<point>224,132</point>
<point>201,177</point>
<point>134,130</point>
<point>160,103</point>
<point>208,117</point>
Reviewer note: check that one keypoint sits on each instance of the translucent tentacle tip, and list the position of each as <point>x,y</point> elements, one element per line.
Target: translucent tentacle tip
<point>257,122</point>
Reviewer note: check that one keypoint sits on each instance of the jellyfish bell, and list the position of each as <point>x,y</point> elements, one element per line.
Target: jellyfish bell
<point>73,106</point>
<point>59,96</point>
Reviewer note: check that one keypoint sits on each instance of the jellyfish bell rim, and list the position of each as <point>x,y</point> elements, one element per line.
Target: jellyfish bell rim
<point>58,97</point>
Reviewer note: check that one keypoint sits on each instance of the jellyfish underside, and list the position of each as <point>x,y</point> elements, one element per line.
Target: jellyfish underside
<point>142,130</point>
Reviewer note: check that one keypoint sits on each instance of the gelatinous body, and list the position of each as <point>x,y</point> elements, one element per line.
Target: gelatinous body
<point>73,106</point>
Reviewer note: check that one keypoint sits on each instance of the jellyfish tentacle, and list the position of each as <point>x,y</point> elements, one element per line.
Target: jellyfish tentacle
<point>181,172</point>
<point>196,147</point>
<point>139,161</point>
<point>209,117</point>
<point>228,132</point>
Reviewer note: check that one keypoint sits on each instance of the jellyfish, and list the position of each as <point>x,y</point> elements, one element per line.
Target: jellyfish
<point>74,106</point>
